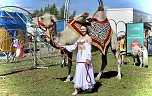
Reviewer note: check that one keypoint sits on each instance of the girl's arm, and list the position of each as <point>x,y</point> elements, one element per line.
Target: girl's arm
<point>88,53</point>
<point>70,48</point>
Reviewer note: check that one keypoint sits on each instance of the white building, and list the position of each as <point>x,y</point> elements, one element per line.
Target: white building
<point>119,16</point>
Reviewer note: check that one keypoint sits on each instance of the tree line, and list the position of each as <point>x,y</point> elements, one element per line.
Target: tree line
<point>52,9</point>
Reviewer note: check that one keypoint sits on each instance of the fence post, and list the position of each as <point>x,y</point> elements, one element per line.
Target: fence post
<point>35,46</point>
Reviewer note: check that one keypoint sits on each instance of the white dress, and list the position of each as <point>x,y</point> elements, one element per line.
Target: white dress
<point>84,75</point>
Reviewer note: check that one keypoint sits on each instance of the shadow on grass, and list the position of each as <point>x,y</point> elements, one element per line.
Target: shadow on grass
<point>138,64</point>
<point>64,78</point>
<point>108,74</point>
<point>95,89</point>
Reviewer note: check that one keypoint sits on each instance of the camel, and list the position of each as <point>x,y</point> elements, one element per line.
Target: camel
<point>71,33</point>
<point>141,54</point>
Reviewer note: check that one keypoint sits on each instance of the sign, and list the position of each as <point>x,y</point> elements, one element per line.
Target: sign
<point>135,35</point>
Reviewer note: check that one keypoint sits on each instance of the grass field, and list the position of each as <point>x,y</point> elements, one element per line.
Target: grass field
<point>135,81</point>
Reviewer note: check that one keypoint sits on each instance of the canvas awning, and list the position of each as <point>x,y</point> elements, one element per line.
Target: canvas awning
<point>147,26</point>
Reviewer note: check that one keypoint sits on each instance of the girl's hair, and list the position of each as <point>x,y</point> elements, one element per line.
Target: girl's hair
<point>85,27</point>
<point>123,37</point>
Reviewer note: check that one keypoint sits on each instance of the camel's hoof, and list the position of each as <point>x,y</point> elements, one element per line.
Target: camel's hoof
<point>119,77</point>
<point>140,65</point>
<point>67,80</point>
<point>97,78</point>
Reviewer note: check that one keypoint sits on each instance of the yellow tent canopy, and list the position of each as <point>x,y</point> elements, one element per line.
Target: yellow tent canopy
<point>6,9</point>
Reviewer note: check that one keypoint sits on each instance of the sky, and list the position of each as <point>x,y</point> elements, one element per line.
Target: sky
<point>79,5</point>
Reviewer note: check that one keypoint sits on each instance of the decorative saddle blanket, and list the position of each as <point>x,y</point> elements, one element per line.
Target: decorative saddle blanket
<point>100,32</point>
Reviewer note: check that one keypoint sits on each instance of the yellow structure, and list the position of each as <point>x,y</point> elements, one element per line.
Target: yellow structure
<point>5,40</point>
<point>7,9</point>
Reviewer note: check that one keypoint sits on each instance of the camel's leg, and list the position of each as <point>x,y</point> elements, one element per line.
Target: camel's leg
<point>145,58</point>
<point>63,54</point>
<point>69,66</point>
<point>140,58</point>
<point>64,61</point>
<point>134,61</point>
<point>104,64</point>
<point>115,50</point>
<point>118,59</point>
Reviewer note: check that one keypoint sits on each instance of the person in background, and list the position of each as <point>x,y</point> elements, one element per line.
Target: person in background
<point>84,75</point>
<point>122,47</point>
<point>14,45</point>
<point>18,47</point>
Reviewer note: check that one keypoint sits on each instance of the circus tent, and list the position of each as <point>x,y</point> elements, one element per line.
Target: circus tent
<point>12,25</point>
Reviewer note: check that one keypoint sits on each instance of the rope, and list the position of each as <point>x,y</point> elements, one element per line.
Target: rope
<point>59,47</point>
<point>87,70</point>
<point>129,60</point>
<point>87,75</point>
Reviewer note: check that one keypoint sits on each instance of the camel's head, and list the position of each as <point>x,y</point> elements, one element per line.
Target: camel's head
<point>44,21</point>
<point>82,18</point>
<point>99,14</point>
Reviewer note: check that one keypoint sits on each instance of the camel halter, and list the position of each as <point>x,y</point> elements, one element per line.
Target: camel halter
<point>42,25</point>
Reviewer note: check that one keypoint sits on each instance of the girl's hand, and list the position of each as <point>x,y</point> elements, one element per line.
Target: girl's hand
<point>87,61</point>
<point>62,47</point>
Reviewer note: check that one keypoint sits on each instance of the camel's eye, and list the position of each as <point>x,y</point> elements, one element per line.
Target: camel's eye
<point>52,21</point>
<point>42,18</point>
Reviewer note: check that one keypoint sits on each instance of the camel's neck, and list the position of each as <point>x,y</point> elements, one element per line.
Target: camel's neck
<point>65,37</point>
<point>48,35</point>
<point>52,37</point>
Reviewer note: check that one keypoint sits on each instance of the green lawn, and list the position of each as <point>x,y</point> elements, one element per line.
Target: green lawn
<point>135,81</point>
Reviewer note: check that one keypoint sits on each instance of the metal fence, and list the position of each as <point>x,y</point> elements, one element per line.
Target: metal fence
<point>45,56</point>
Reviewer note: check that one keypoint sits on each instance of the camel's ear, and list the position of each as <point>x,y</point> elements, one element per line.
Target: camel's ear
<point>100,8</point>
<point>85,14</point>
<point>54,18</point>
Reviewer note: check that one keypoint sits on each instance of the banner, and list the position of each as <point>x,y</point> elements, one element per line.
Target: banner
<point>135,35</point>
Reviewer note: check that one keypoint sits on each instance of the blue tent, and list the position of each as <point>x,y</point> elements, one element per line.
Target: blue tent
<point>12,24</point>
<point>12,20</point>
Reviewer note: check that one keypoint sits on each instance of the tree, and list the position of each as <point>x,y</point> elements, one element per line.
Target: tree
<point>35,13</point>
<point>53,10</point>
<point>61,13</point>
<point>47,8</point>
<point>72,15</point>
<point>41,12</point>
